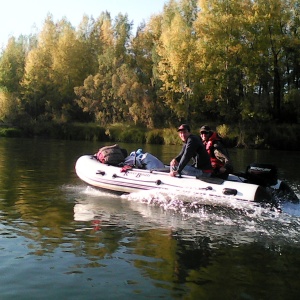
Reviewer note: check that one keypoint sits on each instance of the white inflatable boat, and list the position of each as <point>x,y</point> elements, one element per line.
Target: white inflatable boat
<point>125,179</point>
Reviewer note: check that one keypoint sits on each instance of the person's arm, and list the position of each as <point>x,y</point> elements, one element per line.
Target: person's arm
<point>222,155</point>
<point>175,161</point>
<point>189,151</point>
<point>178,157</point>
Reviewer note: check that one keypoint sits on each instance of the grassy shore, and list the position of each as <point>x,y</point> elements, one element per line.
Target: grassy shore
<point>264,136</point>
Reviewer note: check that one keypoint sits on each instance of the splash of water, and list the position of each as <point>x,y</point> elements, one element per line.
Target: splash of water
<point>234,220</point>
<point>217,219</point>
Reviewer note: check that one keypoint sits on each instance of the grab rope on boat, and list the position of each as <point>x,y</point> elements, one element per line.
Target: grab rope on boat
<point>158,182</point>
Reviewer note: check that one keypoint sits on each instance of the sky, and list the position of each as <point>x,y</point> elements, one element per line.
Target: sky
<point>27,16</point>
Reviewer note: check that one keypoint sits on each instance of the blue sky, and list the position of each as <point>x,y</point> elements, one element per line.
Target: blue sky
<point>27,16</point>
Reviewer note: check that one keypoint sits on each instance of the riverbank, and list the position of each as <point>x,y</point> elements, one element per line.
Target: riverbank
<point>258,136</point>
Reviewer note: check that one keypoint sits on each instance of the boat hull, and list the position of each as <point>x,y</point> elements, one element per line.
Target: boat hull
<point>120,180</point>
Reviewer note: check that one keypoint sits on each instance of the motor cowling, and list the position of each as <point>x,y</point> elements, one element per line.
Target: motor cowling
<point>262,174</point>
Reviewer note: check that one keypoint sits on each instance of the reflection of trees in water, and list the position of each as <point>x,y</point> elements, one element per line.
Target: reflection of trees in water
<point>41,221</point>
<point>98,243</point>
<point>192,256</point>
<point>147,236</point>
<point>254,270</point>
<point>186,264</point>
<point>31,172</point>
<point>168,259</point>
<point>197,271</point>
<point>49,225</point>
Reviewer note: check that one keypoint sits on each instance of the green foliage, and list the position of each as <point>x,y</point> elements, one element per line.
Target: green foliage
<point>126,133</point>
<point>283,136</point>
<point>25,123</point>
<point>171,137</point>
<point>10,132</point>
<point>264,136</point>
<point>76,131</point>
<point>133,135</point>
<point>177,50</point>
<point>292,106</point>
<point>12,63</point>
<point>228,135</point>
<point>8,105</point>
<point>223,130</point>
<point>155,136</point>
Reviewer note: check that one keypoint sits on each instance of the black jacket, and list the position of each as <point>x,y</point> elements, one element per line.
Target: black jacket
<point>193,148</point>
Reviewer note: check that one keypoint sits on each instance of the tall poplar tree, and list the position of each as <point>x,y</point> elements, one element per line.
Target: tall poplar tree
<point>94,95</point>
<point>12,62</point>
<point>274,18</point>
<point>37,85</point>
<point>71,65</point>
<point>107,95</point>
<point>176,49</point>
<point>148,109</point>
<point>220,30</point>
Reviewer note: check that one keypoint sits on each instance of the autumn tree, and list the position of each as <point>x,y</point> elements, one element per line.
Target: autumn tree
<point>12,62</point>
<point>106,95</point>
<point>220,30</point>
<point>71,64</point>
<point>37,84</point>
<point>150,108</point>
<point>176,49</point>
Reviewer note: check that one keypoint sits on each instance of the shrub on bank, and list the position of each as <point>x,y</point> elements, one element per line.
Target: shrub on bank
<point>65,131</point>
<point>79,131</point>
<point>228,134</point>
<point>10,132</point>
<point>155,137</point>
<point>126,133</point>
<point>171,136</point>
<point>263,136</point>
<point>283,136</point>
<point>133,135</point>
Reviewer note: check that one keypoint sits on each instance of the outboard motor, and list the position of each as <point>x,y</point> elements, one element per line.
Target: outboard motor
<point>262,174</point>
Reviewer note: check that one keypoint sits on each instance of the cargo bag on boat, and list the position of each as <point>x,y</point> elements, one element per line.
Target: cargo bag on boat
<point>111,155</point>
<point>144,161</point>
<point>151,162</point>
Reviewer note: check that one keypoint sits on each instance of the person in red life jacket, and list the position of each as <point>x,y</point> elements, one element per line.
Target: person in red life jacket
<point>192,148</point>
<point>218,154</point>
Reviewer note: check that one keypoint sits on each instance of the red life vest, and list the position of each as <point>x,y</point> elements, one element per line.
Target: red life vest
<point>209,145</point>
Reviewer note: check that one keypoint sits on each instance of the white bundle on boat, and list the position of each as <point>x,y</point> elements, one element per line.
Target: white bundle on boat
<point>143,160</point>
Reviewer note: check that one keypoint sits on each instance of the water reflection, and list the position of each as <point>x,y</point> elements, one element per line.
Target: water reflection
<point>86,242</point>
<point>223,225</point>
<point>153,240</point>
<point>178,250</point>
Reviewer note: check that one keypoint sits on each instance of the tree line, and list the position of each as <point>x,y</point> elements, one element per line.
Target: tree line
<point>230,61</point>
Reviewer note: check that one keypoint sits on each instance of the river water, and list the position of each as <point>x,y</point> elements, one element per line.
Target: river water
<point>60,239</point>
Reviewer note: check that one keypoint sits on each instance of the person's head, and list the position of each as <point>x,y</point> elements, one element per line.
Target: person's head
<point>205,132</point>
<point>184,131</point>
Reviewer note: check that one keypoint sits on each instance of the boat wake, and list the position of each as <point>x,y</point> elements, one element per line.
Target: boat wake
<point>237,220</point>
<point>190,218</point>
<point>190,204</point>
